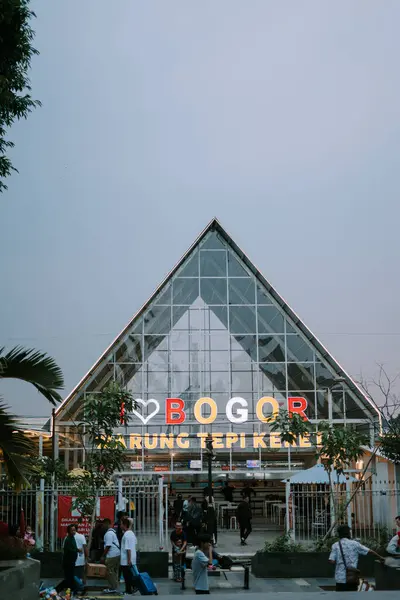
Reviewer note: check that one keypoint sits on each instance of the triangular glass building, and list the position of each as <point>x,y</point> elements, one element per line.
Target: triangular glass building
<point>215,328</point>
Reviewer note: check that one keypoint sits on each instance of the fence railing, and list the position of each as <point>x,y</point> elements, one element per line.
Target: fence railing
<point>146,503</point>
<point>370,513</point>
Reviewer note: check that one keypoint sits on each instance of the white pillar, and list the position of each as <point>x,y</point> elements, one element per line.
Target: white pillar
<point>120,502</point>
<point>161,511</point>
<point>287,506</point>
<point>39,530</point>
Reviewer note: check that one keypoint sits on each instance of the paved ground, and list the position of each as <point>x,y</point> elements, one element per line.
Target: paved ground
<point>231,582</point>
<point>228,542</point>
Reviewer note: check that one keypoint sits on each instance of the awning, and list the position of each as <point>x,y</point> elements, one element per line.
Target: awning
<point>318,475</point>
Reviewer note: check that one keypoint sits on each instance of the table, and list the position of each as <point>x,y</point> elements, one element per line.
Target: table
<point>227,508</point>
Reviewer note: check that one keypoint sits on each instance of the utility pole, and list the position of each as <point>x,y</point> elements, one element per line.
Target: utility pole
<point>210,457</point>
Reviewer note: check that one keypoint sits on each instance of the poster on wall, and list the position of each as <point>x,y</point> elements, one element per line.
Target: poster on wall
<point>105,510</point>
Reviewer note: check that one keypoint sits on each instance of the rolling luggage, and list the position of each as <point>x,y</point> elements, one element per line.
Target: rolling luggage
<point>144,583</point>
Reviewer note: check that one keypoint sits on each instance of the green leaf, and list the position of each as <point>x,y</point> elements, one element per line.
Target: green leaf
<point>33,367</point>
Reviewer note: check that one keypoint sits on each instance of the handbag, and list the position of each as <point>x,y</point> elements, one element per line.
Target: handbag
<point>352,574</point>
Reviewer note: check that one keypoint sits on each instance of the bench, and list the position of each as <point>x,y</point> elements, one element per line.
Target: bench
<point>242,566</point>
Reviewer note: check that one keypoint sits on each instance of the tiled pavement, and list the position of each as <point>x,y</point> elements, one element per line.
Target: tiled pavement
<point>230,582</point>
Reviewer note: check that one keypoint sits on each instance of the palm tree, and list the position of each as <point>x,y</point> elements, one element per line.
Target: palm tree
<point>44,374</point>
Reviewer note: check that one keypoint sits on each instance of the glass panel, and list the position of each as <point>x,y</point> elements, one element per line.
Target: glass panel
<point>273,376</point>
<point>158,361</point>
<point>127,371</point>
<point>298,349</point>
<point>235,268</point>
<point>134,384</point>
<point>157,382</point>
<point>353,411</point>
<point>337,403</point>
<point>185,291</point>
<point>241,291</point>
<point>270,320</point>
<point>151,342</point>
<point>262,296</point>
<point>242,319</point>
<point>213,291</point>
<point>240,360</point>
<point>219,381</point>
<point>213,241</point>
<point>158,320</point>
<point>248,343</point>
<point>300,376</point>
<point>216,360</point>
<point>218,317</point>
<point>216,340</point>
<point>243,381</point>
<point>104,374</point>
<point>322,405</point>
<point>324,376</point>
<point>180,340</point>
<point>190,268</point>
<point>271,348</point>
<point>131,350</point>
<point>212,264</point>
<point>180,317</point>
<point>164,297</point>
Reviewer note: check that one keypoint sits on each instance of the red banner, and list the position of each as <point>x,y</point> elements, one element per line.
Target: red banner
<point>105,510</point>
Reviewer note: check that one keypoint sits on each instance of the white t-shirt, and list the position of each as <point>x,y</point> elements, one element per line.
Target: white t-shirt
<point>110,539</point>
<point>129,542</point>
<point>80,542</point>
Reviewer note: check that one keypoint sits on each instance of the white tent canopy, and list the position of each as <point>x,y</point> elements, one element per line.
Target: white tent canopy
<point>317,475</point>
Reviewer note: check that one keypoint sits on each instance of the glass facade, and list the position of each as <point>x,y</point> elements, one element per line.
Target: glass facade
<point>213,330</point>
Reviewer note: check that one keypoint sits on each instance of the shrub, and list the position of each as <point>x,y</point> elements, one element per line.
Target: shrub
<point>12,548</point>
<point>283,543</point>
<point>322,545</point>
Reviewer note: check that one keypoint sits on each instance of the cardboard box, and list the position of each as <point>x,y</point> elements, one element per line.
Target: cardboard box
<point>96,570</point>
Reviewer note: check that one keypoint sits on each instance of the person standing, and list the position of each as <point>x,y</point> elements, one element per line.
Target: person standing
<point>244,515</point>
<point>344,555</point>
<point>70,554</point>
<point>200,564</point>
<point>227,492</point>
<point>128,554</point>
<point>111,557</point>
<point>179,543</point>
<point>194,520</point>
<point>82,548</point>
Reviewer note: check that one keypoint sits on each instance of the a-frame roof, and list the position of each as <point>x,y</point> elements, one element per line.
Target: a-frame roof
<point>319,348</point>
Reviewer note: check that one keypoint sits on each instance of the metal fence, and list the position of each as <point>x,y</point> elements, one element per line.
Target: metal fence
<point>146,502</point>
<point>370,513</point>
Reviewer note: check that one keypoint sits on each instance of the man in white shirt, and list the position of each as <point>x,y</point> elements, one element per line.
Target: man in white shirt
<point>128,554</point>
<point>344,555</point>
<point>111,557</point>
<point>80,563</point>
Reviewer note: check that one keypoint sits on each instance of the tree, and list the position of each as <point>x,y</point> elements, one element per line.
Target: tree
<point>103,413</point>
<point>16,51</point>
<point>336,447</point>
<point>390,440</point>
<point>42,372</point>
<point>382,389</point>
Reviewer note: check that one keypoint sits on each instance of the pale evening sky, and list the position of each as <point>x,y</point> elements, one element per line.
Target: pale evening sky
<point>280,118</point>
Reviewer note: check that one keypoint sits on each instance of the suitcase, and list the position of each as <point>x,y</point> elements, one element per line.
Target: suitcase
<point>144,583</point>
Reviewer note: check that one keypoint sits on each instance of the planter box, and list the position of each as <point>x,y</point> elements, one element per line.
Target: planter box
<point>20,579</point>
<point>301,564</point>
<point>387,578</point>
<point>154,563</point>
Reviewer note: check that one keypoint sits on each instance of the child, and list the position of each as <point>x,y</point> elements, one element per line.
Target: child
<point>200,564</point>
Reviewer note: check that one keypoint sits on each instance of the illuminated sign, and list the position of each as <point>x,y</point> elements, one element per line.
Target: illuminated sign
<point>195,464</point>
<point>221,441</point>
<point>253,464</point>
<point>136,465</point>
<point>236,409</point>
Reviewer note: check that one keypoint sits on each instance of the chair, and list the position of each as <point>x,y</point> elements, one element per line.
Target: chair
<point>319,524</point>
